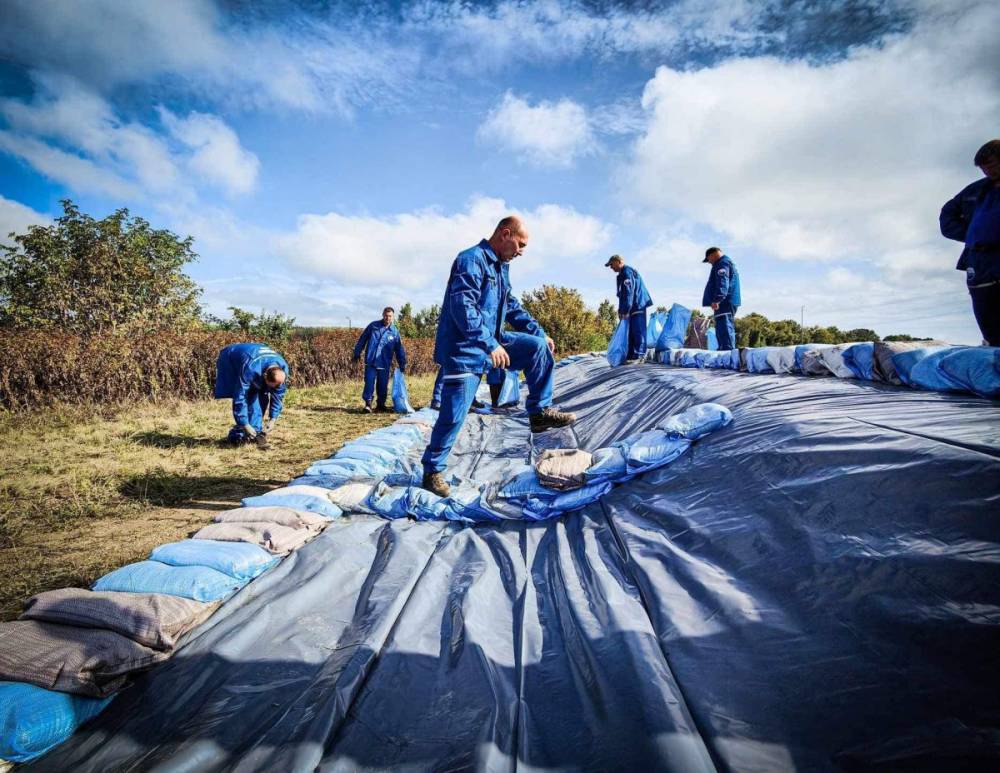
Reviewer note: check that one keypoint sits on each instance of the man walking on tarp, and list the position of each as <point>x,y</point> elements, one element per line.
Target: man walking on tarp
<point>973,217</point>
<point>633,300</point>
<point>722,293</point>
<point>478,302</point>
<point>255,377</point>
<point>383,340</point>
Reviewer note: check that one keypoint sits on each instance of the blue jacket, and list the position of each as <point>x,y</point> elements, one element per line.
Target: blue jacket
<point>723,284</point>
<point>240,376</point>
<point>956,215</point>
<point>632,293</point>
<point>382,343</point>
<point>478,301</point>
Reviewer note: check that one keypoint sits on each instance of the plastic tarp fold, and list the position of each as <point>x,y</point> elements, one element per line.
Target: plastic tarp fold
<point>813,588</point>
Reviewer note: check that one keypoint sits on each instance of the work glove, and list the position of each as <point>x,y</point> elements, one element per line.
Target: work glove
<point>251,432</point>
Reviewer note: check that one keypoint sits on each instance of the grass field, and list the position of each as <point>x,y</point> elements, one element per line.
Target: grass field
<point>81,495</point>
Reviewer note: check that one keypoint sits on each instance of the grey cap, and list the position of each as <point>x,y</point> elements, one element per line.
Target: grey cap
<point>614,257</point>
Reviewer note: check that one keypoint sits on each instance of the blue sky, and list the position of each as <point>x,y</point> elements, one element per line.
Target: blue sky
<point>330,159</point>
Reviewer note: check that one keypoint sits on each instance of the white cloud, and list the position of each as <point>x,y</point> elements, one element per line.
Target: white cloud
<point>415,250</point>
<point>217,154</point>
<point>549,133</point>
<point>16,217</point>
<point>847,160</point>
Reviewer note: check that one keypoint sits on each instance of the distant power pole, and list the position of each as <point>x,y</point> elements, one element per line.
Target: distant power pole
<point>802,323</point>
<point>349,323</point>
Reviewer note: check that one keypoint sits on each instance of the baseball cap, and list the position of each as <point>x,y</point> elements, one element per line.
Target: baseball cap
<point>614,257</point>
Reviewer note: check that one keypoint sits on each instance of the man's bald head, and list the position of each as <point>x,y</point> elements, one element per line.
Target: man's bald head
<point>509,239</point>
<point>274,376</point>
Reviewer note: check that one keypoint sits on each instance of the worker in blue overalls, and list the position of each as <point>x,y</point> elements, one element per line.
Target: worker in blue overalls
<point>478,303</point>
<point>722,293</point>
<point>633,300</point>
<point>382,340</point>
<point>255,378</point>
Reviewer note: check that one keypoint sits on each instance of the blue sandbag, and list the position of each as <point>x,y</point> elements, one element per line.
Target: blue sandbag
<point>348,468</point>
<point>652,449</point>
<point>696,421</point>
<point>860,360</point>
<point>313,504</point>
<point>388,501</point>
<point>510,390</point>
<point>523,485</point>
<point>400,396</point>
<point>927,373</point>
<point>674,329</point>
<point>34,720</point>
<point>654,327</point>
<point>903,362</point>
<point>977,368</point>
<point>803,348</point>
<point>608,464</point>
<point>367,452</point>
<point>757,360</point>
<point>329,481</point>
<point>686,358</point>
<point>191,582</point>
<point>712,340</point>
<point>727,359</point>
<point>618,346</point>
<point>425,505</point>
<point>240,560</point>
<point>540,509</point>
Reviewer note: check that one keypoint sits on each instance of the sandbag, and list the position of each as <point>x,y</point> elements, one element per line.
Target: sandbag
<point>833,358</point>
<point>510,390</point>
<point>562,468</point>
<point>801,349</point>
<point>425,505</point>
<point>729,359</point>
<point>927,373</point>
<point>321,506</point>
<point>282,516</point>
<point>674,329</point>
<point>191,582</point>
<point>685,358</point>
<point>154,620</point>
<point>757,359</point>
<point>975,367</point>
<point>34,720</point>
<point>368,452</point>
<point>811,363</point>
<point>781,359</point>
<point>400,396</point>
<point>697,421</point>
<point>84,661</point>
<point>273,537</point>
<point>539,509</point>
<point>351,497</point>
<point>654,327</point>
<point>523,485</point>
<point>608,464</point>
<point>299,488</point>
<point>713,340</point>
<point>618,345</point>
<point>388,501</point>
<point>348,468</point>
<point>860,359</point>
<point>884,352</point>
<point>652,449</point>
<point>239,560</point>
<point>904,361</point>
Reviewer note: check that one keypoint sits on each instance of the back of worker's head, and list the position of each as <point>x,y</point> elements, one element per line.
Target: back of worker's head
<point>274,376</point>
<point>988,152</point>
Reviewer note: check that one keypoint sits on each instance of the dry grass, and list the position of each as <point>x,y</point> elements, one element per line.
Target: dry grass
<point>82,495</point>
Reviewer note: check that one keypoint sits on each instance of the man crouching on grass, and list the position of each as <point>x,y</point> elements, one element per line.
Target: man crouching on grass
<point>478,302</point>
<point>254,376</point>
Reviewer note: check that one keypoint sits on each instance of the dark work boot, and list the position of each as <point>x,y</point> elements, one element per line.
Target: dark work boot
<point>550,418</point>
<point>368,406</point>
<point>434,482</point>
<point>495,394</point>
<point>381,408</point>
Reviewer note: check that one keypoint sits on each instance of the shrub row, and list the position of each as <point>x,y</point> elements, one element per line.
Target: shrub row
<point>39,369</point>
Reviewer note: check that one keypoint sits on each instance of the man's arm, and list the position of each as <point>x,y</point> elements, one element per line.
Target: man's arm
<point>953,225</point>
<point>464,294</point>
<point>362,342</point>
<point>623,295</point>
<point>240,413</point>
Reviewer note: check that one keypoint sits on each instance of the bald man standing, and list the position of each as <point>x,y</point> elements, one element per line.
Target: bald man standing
<point>471,339</point>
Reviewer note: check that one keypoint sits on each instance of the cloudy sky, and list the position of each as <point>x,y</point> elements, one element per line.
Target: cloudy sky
<point>332,158</point>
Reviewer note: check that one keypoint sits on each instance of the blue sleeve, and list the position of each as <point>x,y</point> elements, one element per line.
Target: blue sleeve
<point>464,292</point>
<point>362,341</point>
<point>400,353</point>
<point>721,285</point>
<point>278,400</point>
<point>953,225</point>
<point>240,413</point>
<point>520,319</point>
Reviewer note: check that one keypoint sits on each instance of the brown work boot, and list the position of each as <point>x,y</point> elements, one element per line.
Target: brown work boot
<point>434,482</point>
<point>550,418</point>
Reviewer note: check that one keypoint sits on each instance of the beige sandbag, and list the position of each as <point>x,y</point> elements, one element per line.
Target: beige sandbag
<point>82,661</point>
<point>882,354</point>
<point>351,497</point>
<point>272,537</point>
<point>154,620</point>
<point>283,516</point>
<point>563,468</point>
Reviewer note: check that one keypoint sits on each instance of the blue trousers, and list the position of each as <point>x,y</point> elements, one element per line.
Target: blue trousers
<point>986,307</point>
<point>438,386</point>
<point>376,382</point>
<point>258,404</point>
<point>637,335</point>
<point>529,354</point>
<point>725,327</point>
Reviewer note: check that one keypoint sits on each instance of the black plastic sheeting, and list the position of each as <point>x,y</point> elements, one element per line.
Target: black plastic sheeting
<point>815,587</point>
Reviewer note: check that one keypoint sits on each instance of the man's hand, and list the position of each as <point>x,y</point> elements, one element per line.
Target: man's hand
<point>715,307</point>
<point>251,432</point>
<point>551,343</point>
<point>499,357</point>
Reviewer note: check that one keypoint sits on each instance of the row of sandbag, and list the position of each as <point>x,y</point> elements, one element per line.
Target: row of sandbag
<point>922,365</point>
<point>71,649</point>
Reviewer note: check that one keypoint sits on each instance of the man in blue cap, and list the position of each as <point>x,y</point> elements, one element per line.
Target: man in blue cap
<point>722,293</point>
<point>973,217</point>
<point>382,340</point>
<point>255,378</point>
<point>478,303</point>
<point>633,300</point>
